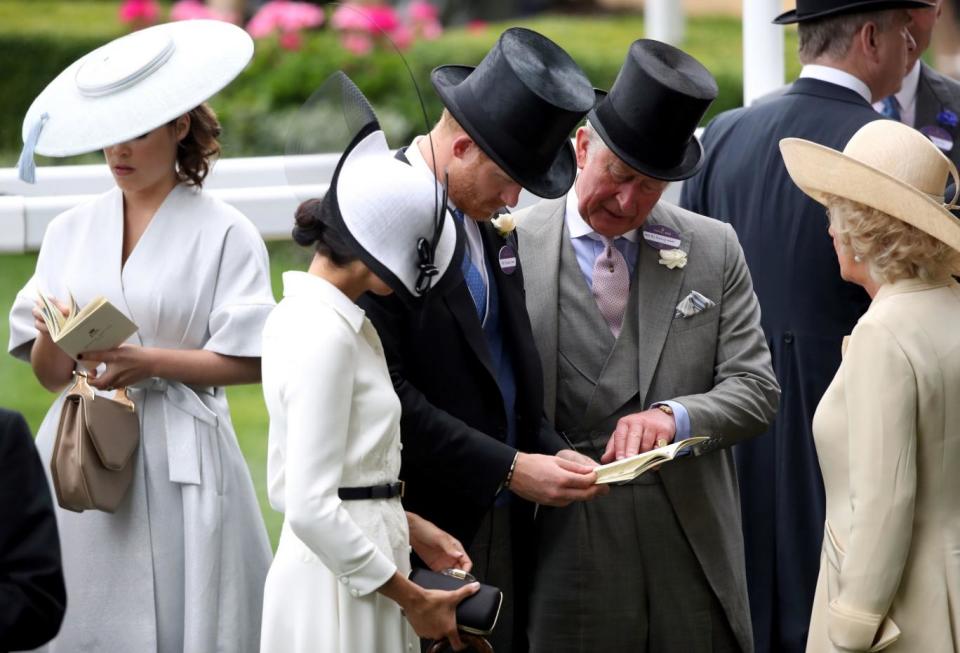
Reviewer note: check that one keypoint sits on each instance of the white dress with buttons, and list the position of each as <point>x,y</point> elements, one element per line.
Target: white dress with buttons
<point>334,422</point>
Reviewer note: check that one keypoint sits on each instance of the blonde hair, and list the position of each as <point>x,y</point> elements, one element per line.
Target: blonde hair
<point>892,248</point>
<point>448,123</point>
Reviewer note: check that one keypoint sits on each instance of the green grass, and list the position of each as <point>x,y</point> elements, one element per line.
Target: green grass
<point>19,389</point>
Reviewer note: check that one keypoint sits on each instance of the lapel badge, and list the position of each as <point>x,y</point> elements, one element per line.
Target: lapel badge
<point>659,236</point>
<point>508,259</point>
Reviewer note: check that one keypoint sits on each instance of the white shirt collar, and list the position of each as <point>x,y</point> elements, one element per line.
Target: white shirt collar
<point>838,77</point>
<point>907,95</point>
<point>296,282</point>
<point>415,158</point>
<point>578,227</point>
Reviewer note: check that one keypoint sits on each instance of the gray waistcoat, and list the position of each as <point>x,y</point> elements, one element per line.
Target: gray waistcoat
<point>597,376</point>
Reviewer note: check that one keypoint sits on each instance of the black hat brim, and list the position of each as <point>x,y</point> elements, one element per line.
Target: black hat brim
<point>790,17</point>
<point>689,164</point>
<point>553,183</point>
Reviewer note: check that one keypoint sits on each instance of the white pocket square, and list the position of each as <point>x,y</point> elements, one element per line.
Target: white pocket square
<point>693,304</point>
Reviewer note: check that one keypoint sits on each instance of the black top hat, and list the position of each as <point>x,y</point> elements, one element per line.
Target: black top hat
<point>654,107</point>
<point>520,106</point>
<point>813,9</point>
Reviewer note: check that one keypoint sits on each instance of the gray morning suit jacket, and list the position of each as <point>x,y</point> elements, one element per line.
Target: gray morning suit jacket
<point>936,92</point>
<point>716,363</point>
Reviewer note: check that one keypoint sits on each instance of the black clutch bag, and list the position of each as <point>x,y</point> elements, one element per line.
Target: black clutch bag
<point>476,614</point>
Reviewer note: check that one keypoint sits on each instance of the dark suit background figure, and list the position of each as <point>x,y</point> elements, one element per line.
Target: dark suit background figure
<point>936,92</point>
<point>806,310</point>
<point>32,594</point>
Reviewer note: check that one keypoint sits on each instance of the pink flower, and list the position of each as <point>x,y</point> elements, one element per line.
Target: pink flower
<point>190,10</point>
<point>361,18</point>
<point>291,40</point>
<point>402,36</point>
<point>424,18</point>
<point>139,11</point>
<point>431,30</point>
<point>476,26</point>
<point>284,16</point>
<point>422,11</point>
<point>350,16</point>
<point>357,43</point>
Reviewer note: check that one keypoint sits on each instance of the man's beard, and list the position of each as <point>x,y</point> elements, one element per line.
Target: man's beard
<point>462,190</point>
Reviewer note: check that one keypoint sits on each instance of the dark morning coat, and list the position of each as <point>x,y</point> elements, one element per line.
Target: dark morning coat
<point>936,92</point>
<point>806,310</point>
<point>32,594</point>
<point>454,423</point>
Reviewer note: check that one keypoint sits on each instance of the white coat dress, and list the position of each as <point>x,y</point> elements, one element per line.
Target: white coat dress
<point>334,422</point>
<point>179,567</point>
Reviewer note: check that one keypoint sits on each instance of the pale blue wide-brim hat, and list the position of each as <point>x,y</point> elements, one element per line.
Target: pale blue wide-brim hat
<point>131,86</point>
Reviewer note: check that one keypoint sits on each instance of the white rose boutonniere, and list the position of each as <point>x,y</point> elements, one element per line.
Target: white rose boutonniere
<point>673,258</point>
<point>504,224</point>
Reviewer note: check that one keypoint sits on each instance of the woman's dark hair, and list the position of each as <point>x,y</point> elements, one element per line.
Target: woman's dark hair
<point>199,146</point>
<point>314,226</point>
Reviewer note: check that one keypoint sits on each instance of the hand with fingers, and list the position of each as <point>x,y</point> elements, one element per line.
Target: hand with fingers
<point>125,365</point>
<point>38,322</point>
<point>639,433</point>
<point>436,547</point>
<point>433,614</point>
<point>555,480</point>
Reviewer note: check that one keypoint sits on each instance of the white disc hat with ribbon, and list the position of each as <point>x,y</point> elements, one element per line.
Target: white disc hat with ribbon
<point>394,214</point>
<point>391,210</point>
<point>131,86</point>
<point>887,166</point>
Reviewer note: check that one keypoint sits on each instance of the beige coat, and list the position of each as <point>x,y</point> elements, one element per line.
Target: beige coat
<point>888,438</point>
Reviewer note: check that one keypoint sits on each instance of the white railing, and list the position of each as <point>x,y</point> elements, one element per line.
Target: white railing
<point>257,186</point>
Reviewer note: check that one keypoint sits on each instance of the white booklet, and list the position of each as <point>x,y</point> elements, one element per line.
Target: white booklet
<point>97,326</point>
<point>628,469</point>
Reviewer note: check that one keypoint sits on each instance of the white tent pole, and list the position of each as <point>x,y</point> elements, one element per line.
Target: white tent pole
<point>763,64</point>
<point>663,20</point>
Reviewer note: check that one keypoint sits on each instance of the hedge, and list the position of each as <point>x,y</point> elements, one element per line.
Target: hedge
<point>256,109</point>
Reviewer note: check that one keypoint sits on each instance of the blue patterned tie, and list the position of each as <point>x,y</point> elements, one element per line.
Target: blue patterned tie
<point>891,107</point>
<point>471,274</point>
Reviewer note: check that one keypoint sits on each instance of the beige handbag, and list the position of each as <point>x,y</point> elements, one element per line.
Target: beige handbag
<point>92,463</point>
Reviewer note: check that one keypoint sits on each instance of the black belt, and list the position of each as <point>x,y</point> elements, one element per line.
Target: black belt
<point>387,491</point>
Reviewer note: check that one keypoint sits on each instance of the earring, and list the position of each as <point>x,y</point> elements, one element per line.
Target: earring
<point>857,258</point>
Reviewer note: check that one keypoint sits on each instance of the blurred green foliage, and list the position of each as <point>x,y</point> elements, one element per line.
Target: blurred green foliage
<point>38,39</point>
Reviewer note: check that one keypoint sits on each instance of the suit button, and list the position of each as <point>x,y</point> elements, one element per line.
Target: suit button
<point>788,337</point>
<point>345,580</point>
<point>355,593</point>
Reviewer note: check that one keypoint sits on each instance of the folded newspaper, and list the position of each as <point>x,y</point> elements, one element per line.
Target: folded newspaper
<point>628,469</point>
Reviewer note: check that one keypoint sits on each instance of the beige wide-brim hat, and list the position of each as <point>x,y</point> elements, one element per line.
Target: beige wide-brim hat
<point>131,86</point>
<point>886,165</point>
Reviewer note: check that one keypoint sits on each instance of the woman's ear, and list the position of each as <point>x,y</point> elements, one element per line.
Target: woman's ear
<point>182,126</point>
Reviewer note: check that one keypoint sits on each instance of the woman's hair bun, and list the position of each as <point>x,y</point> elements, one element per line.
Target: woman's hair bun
<point>309,226</point>
<point>316,225</point>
